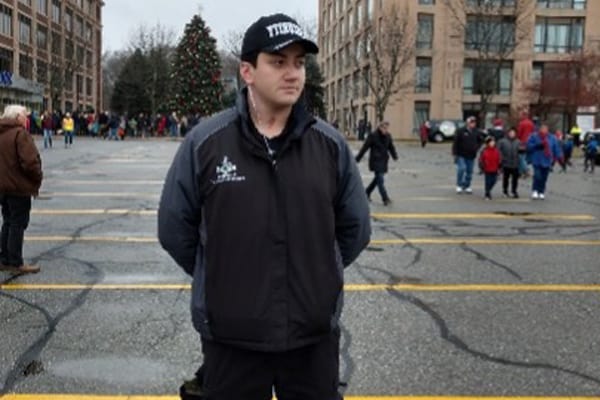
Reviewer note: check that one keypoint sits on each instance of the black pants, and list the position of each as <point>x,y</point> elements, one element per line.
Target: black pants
<point>15,218</point>
<point>513,174</point>
<point>378,181</point>
<point>490,181</point>
<point>307,373</point>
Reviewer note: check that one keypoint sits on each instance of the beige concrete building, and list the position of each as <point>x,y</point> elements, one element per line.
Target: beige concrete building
<point>50,53</point>
<point>442,68</point>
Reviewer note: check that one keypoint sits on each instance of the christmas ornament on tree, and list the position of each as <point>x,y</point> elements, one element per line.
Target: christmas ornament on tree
<point>196,71</point>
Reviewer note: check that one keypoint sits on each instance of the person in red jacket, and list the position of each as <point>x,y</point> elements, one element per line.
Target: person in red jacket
<point>490,161</point>
<point>524,130</point>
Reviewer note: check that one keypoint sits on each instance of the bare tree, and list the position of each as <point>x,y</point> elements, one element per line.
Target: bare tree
<point>112,64</point>
<point>492,30</point>
<point>157,44</point>
<point>384,56</point>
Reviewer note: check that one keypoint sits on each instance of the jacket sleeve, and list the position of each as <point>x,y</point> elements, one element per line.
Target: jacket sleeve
<point>457,136</point>
<point>179,212</point>
<point>366,145</point>
<point>352,217</point>
<point>392,149</point>
<point>29,157</point>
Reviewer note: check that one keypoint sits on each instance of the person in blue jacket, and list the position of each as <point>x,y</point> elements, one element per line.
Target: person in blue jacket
<point>590,149</point>
<point>543,150</point>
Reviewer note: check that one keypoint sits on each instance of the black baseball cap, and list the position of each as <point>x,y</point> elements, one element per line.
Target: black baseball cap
<point>272,33</point>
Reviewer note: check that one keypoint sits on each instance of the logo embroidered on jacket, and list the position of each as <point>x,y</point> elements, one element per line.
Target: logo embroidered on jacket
<point>227,172</point>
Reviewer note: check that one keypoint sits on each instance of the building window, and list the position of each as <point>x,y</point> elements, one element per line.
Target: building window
<point>42,7</point>
<point>42,71</point>
<point>69,80</point>
<point>486,78</point>
<point>56,44</point>
<point>88,86</point>
<point>25,66</point>
<point>558,35</point>
<point>89,59</point>
<point>42,37</point>
<point>26,2</point>
<point>491,35</point>
<point>569,4</point>
<point>366,79</point>
<point>88,32</point>
<point>6,60</point>
<point>79,26</point>
<point>56,11</point>
<point>79,83</point>
<point>423,75</point>
<point>491,3</point>
<point>24,29</point>
<point>69,20</point>
<point>69,49</point>
<point>5,20</point>
<point>420,115</point>
<point>426,2</point>
<point>537,72</point>
<point>360,15</point>
<point>80,56</point>
<point>425,31</point>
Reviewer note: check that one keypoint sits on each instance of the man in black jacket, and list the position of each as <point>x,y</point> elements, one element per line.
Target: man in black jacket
<point>381,146</point>
<point>467,142</point>
<point>264,206</point>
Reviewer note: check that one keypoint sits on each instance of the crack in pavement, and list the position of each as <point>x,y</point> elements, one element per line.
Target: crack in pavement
<point>482,257</point>
<point>32,353</point>
<point>447,335</point>
<point>461,345</point>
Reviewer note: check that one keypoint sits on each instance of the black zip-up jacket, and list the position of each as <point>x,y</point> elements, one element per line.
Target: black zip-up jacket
<point>266,240</point>
<point>467,143</point>
<point>380,146</point>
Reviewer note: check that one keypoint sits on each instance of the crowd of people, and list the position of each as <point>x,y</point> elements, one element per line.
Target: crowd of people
<point>107,125</point>
<point>528,150</point>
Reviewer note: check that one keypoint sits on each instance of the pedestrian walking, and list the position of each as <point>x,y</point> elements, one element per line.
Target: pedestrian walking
<point>576,133</point>
<point>590,150</point>
<point>20,179</point>
<point>48,129</point>
<point>68,127</point>
<point>544,151</point>
<point>424,133</point>
<point>524,130</point>
<point>467,142</point>
<point>489,161</point>
<point>380,146</point>
<point>567,152</point>
<point>264,206</point>
<point>509,147</point>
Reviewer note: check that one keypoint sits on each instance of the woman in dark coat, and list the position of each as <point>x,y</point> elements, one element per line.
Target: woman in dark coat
<point>381,146</point>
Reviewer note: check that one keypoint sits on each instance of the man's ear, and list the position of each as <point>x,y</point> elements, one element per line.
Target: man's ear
<point>247,72</point>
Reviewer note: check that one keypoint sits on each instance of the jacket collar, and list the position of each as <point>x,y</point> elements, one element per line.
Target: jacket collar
<point>300,121</point>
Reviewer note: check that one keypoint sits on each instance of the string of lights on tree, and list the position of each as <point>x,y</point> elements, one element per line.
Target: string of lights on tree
<point>197,71</point>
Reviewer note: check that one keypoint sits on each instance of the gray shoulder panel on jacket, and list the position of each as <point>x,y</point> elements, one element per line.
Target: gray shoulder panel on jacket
<point>329,131</point>
<point>211,125</point>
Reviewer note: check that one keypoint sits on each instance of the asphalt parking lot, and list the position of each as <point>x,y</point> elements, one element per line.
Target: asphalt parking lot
<point>455,297</point>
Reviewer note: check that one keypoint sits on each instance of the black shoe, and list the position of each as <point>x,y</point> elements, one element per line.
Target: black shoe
<point>515,195</point>
<point>387,202</point>
<point>191,390</point>
<point>488,197</point>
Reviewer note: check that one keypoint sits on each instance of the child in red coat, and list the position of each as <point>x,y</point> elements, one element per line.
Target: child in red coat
<point>490,161</point>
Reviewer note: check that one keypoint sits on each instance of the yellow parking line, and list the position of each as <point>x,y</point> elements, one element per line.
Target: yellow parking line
<point>94,212</point>
<point>568,217</point>
<point>355,287</point>
<point>147,397</point>
<point>381,242</point>
<point>46,195</point>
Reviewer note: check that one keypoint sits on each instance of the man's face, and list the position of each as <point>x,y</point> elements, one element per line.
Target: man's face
<point>472,123</point>
<point>544,129</point>
<point>278,77</point>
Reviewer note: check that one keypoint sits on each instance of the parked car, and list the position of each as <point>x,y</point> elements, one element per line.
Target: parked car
<point>593,131</point>
<point>444,129</point>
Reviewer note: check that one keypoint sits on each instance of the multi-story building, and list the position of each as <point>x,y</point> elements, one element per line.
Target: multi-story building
<point>50,54</point>
<point>443,70</point>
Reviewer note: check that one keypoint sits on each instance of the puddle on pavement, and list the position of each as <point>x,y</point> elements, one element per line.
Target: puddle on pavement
<point>111,370</point>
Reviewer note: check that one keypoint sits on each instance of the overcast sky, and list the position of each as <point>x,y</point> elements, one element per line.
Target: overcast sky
<point>120,17</point>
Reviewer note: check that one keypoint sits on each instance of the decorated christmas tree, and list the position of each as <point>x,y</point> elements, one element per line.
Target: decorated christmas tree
<point>196,71</point>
